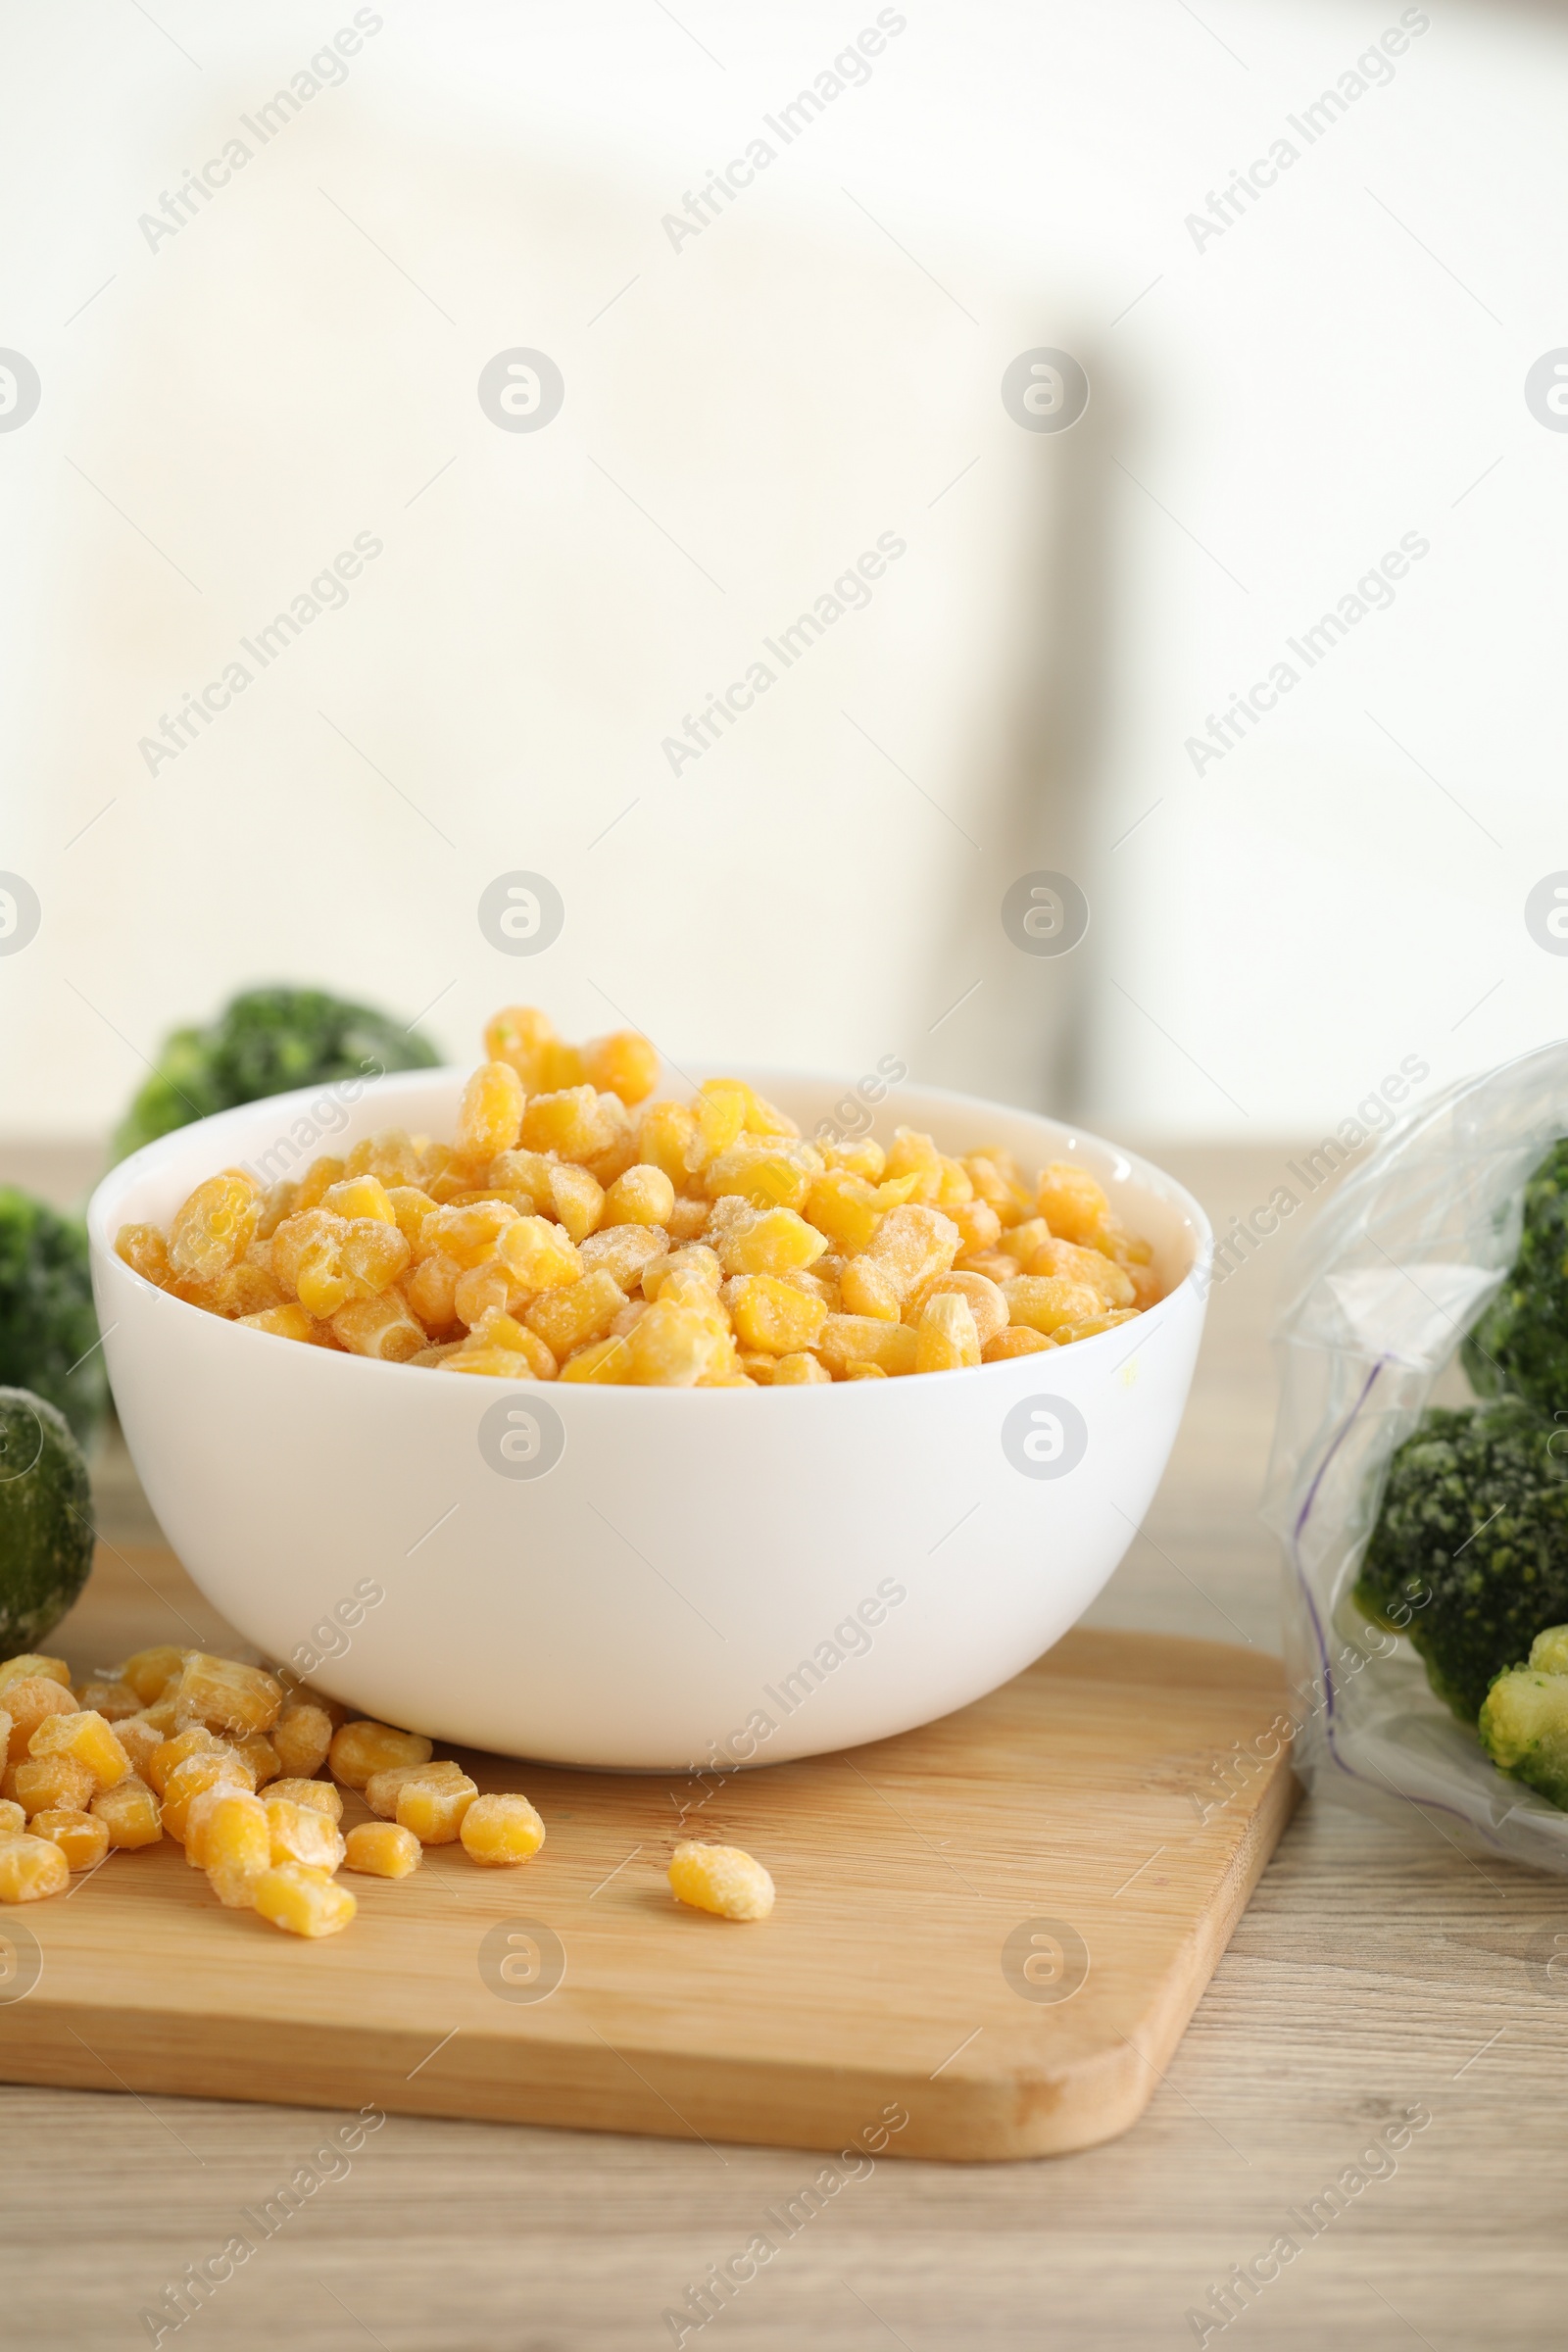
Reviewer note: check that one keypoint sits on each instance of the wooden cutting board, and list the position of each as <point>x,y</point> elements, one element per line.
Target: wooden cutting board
<point>990,1935</point>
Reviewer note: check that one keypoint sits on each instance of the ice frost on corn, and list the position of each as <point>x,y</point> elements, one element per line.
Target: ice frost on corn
<point>573,1230</point>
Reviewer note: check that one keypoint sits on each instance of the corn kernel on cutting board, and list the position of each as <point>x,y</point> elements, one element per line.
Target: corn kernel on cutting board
<point>995,1929</point>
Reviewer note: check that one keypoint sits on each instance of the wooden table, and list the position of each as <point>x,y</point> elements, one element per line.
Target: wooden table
<point>1376,1969</point>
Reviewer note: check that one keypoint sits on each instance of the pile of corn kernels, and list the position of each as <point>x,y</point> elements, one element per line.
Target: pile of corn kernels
<point>566,1234</point>
<point>181,1744</point>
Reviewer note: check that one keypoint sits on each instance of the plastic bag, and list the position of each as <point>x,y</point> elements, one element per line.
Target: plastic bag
<point>1389,1280</point>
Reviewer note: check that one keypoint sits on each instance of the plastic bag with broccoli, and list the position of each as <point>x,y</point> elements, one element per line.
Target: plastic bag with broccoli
<point>1426,1541</point>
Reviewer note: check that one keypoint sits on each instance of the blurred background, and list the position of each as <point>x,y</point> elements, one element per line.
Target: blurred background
<point>555,374</point>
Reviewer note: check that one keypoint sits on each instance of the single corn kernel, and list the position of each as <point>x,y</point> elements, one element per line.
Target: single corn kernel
<point>946,1339</point>
<point>86,1737</point>
<point>322,1794</point>
<point>115,1701</point>
<point>304,1902</point>
<point>539,1255</point>
<point>1112,1319</point>
<point>803,1371</point>
<point>844,1206</point>
<point>163,1714</point>
<point>130,1812</point>
<point>211,1229</point>
<point>501,1829</point>
<point>625,1250</point>
<point>360,1197</point>
<point>721,1106</point>
<point>382,1326</point>
<point>51,1784</point>
<point>1089,1266</point>
<point>292,1321</point>
<point>383,1849</point>
<point>986,1299</point>
<point>29,1700</point>
<point>431,1290</point>
<point>914,1244</point>
<point>364,1747</point>
<point>140,1741</point>
<point>575,1122</point>
<point>604,1362</point>
<point>1018,1340</point>
<point>228,1697</point>
<point>668,1138</point>
<point>1073,1204</point>
<point>236,1847</point>
<point>317,1181</point>
<point>979,1226</point>
<point>382,1788</point>
<point>695,1259</point>
<point>391,1154</point>
<point>677,1347</point>
<point>411,1207</point>
<point>192,1779</point>
<point>29,1667</point>
<point>846,1341</point>
<point>1007,1199</point>
<point>688,1220</point>
<point>279,1201</point>
<point>146,1253</point>
<point>523,1037</point>
<point>31,1868</point>
<point>775,1316</point>
<point>196,1741</point>
<point>570,1318</point>
<point>1023,1243</point>
<point>435,1809</point>
<point>490,1115</point>
<point>13,1820</point>
<point>82,1837</point>
<point>259,1752</point>
<point>1047,1303</point>
<point>644,1196</point>
<point>372,1255</point>
<point>776,1242</point>
<point>768,1172</point>
<point>302,1833</point>
<point>489,1360</point>
<point>301,1737</point>
<point>721,1879</point>
<point>622,1063</point>
<point>916,1154</point>
<point>151,1673</point>
<point>866,1287</point>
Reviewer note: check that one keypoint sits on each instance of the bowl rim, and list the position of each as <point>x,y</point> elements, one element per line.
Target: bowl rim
<point>156,1155</point>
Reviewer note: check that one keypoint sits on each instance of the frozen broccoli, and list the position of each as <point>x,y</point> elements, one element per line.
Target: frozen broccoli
<point>48,1331</point>
<point>1470,1552</point>
<point>266,1042</point>
<point>1524,1720</point>
<point>1521,1342</point>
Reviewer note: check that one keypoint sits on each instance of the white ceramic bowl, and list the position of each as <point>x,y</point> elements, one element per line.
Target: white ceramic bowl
<point>691,1577</point>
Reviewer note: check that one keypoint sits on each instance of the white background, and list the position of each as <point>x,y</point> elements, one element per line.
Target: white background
<point>1344,365</point>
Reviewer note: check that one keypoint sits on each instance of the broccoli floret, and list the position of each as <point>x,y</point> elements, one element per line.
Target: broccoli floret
<point>1521,1342</point>
<point>48,1331</point>
<point>1524,1720</point>
<point>266,1042</point>
<point>1470,1553</point>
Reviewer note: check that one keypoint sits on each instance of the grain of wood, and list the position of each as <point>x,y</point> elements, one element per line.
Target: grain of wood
<point>1371,1970</point>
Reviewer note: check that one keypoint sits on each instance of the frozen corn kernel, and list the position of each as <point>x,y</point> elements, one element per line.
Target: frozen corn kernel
<point>383,1849</point>
<point>678,1346</point>
<point>1112,1319</point>
<point>864,1369</point>
<point>570,1318</point>
<point>13,1820</point>
<point>1047,1303</point>
<point>115,1701</point>
<point>1096,1272</point>
<point>625,1250</point>
<point>51,1784</point>
<point>575,1122</point>
<point>236,1849</point>
<point>1023,1242</point>
<point>802,1371</point>
<point>1073,1204</point>
<point>192,1779</point>
<point>540,1254</point>
<point>130,1812</point>
<point>775,1316</point>
<point>82,1837</point>
<point>317,1181</point>
<point>163,1715</point>
<point>213,1227</point>
<point>195,1741</point>
<point>140,1741</point>
<point>382,1788</point>
<point>946,1337</point>
<point>622,1063</point>
<point>258,1751</point>
<point>86,1737</point>
<point>292,1321</point>
<point>490,1113</point>
<point>775,1242</point>
<point>382,1326</point>
<point>866,1287</point>
<point>146,1253</point>
<point>501,1829</point>
<point>668,1138</point>
<point>228,1697</point>
<point>722,1879</point>
<point>979,1226</point>
<point>29,1700</point>
<point>770,1172</point>
<point>301,1737</point>
<point>643,1196</point>
<point>431,1292</point>
<point>31,1868</point>
<point>435,1809</point>
<point>1016,1339</point>
<point>410,1207</point>
<point>360,1197</point>
<point>29,1667</point>
<point>467,1232</point>
<point>844,1206</point>
<point>300,1834</point>
<point>602,1362</point>
<point>521,1035</point>
<point>323,1795</point>
<point>364,1747</point>
<point>914,1244</point>
<point>304,1902</point>
<point>986,1299</point>
<point>846,1341</point>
